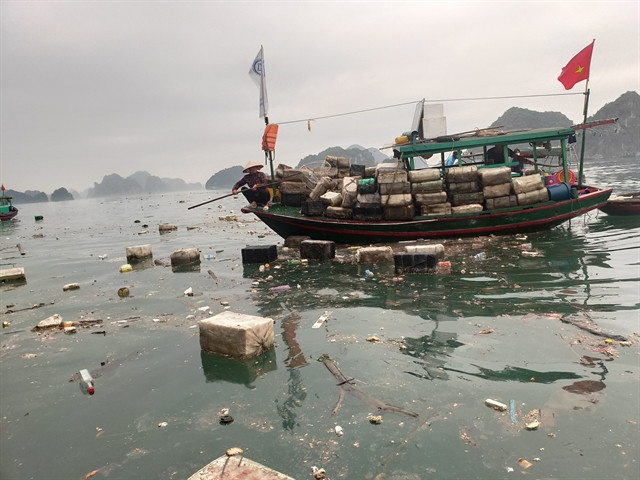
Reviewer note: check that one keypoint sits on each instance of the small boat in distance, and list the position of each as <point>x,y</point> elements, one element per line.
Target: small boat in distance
<point>489,189</point>
<point>622,205</point>
<point>7,210</point>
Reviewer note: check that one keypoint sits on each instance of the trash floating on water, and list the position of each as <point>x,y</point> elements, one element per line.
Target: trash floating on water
<point>234,451</point>
<point>532,425</point>
<point>91,474</point>
<point>189,292</point>
<point>162,424</point>
<point>86,382</point>
<point>226,419</point>
<point>54,320</point>
<point>443,268</point>
<point>495,404</point>
<point>375,419</point>
<point>321,319</point>
<point>126,268</point>
<point>339,431</point>
<point>512,411</point>
<point>524,463</point>
<point>123,292</point>
<point>318,473</point>
<point>280,288</point>
<point>15,274</point>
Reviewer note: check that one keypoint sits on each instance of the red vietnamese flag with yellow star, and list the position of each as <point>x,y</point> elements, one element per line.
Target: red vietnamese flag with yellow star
<point>578,68</point>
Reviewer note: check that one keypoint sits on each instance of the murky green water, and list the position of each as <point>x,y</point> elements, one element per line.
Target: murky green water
<point>491,329</point>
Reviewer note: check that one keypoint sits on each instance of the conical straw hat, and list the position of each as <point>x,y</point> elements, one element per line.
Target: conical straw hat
<point>250,165</point>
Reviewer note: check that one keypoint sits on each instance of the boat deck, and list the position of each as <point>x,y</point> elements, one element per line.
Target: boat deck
<point>237,468</point>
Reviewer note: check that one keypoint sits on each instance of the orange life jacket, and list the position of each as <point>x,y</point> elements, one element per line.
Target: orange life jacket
<point>269,137</point>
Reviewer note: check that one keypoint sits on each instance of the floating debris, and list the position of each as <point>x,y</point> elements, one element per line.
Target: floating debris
<point>495,405</point>
<point>524,463</point>
<point>318,473</point>
<point>532,425</point>
<point>375,419</point>
<point>321,319</point>
<point>234,451</point>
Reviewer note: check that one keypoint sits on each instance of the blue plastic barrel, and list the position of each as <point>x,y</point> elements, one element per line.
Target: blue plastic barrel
<point>559,192</point>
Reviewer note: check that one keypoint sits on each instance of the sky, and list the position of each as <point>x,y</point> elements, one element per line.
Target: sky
<point>92,88</point>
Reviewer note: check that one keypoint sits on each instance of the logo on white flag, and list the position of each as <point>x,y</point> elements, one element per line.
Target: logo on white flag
<point>257,67</point>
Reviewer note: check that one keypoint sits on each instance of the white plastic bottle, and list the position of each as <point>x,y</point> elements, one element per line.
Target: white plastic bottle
<point>86,381</point>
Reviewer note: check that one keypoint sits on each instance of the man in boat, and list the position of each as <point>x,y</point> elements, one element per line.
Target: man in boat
<point>495,155</point>
<point>257,194</point>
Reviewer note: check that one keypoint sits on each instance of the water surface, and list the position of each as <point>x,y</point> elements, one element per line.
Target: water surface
<point>492,328</point>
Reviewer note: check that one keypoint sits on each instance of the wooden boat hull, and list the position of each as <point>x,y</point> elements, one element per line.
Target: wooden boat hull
<point>625,205</point>
<point>7,210</point>
<point>5,217</point>
<point>287,221</point>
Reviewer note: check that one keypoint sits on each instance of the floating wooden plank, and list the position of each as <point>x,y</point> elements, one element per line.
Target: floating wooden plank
<point>321,319</point>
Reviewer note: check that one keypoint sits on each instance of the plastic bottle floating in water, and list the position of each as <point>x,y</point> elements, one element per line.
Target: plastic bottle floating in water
<point>86,381</point>
<point>480,256</point>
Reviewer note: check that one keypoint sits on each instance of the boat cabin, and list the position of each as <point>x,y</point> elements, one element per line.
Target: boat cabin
<point>490,148</point>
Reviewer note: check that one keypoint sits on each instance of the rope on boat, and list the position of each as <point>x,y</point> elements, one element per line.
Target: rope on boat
<point>413,102</point>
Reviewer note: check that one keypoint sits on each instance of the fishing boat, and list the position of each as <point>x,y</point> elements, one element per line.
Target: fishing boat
<point>7,210</point>
<point>469,196</point>
<point>622,205</point>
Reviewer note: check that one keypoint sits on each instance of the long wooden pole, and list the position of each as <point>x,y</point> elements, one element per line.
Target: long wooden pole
<point>270,184</point>
<point>213,200</point>
<point>584,134</point>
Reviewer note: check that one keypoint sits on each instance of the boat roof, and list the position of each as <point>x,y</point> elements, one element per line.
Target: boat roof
<point>453,142</point>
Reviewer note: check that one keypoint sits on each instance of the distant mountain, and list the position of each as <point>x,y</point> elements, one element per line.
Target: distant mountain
<point>224,179</point>
<point>60,195</point>
<point>30,196</point>
<point>521,118</point>
<point>357,154</point>
<point>622,138</point>
<point>614,140</point>
<point>138,183</point>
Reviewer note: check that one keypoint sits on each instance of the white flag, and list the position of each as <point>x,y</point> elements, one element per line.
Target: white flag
<point>258,74</point>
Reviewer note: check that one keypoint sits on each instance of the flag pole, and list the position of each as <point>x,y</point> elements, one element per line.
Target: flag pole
<point>268,154</point>
<point>584,134</point>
